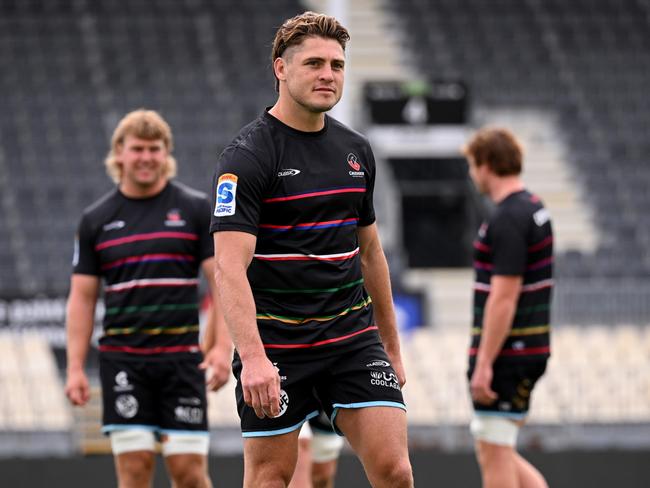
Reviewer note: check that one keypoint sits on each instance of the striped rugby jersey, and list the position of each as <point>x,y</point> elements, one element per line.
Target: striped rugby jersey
<point>148,252</point>
<point>517,240</point>
<point>303,194</point>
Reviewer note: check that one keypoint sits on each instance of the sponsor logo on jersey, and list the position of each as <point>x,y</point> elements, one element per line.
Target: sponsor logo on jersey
<point>122,382</point>
<point>482,230</point>
<point>288,172</point>
<point>75,253</point>
<point>353,161</point>
<point>116,224</point>
<point>174,218</point>
<point>226,193</point>
<point>126,406</point>
<point>378,363</point>
<point>541,217</point>
<point>284,403</point>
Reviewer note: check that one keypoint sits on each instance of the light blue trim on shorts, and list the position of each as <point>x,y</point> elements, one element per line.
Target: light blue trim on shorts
<point>338,406</point>
<point>107,429</point>
<point>508,415</point>
<point>184,432</point>
<point>269,433</point>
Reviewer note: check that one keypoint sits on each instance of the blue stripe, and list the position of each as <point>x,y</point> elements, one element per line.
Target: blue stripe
<point>113,427</point>
<point>338,406</point>
<point>268,433</point>
<point>508,415</point>
<point>201,433</point>
<point>321,226</point>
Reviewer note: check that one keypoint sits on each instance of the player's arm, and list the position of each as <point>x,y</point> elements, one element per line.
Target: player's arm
<point>80,319</point>
<point>259,378</point>
<point>217,345</point>
<point>499,313</point>
<point>374,268</point>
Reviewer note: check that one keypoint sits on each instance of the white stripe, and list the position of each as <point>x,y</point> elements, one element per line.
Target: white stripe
<point>156,282</point>
<point>529,287</point>
<point>312,256</point>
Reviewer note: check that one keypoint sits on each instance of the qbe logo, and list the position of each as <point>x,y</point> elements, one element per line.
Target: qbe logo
<point>284,403</point>
<point>226,193</point>
<point>126,406</point>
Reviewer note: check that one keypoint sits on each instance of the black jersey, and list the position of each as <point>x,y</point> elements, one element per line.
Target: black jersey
<point>148,252</point>
<point>517,240</point>
<point>303,194</point>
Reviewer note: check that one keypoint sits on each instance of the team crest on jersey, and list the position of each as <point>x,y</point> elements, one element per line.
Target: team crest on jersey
<point>353,161</point>
<point>174,218</point>
<point>226,193</point>
<point>482,230</point>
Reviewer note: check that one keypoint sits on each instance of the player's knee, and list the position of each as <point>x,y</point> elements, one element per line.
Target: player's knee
<point>322,474</point>
<point>135,468</point>
<point>188,471</point>
<point>396,474</point>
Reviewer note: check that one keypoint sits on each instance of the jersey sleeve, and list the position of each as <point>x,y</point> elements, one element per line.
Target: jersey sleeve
<point>238,186</point>
<point>85,259</point>
<point>206,245</point>
<point>509,245</point>
<point>367,215</point>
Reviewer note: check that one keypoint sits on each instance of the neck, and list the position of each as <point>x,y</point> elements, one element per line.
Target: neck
<point>133,190</point>
<point>297,117</point>
<point>502,186</point>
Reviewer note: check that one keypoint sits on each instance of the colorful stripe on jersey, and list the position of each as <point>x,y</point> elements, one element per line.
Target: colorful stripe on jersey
<point>302,320</point>
<point>323,342</point>
<point>183,329</point>
<point>310,290</point>
<point>307,257</point>
<point>149,258</point>
<point>528,288</point>
<point>146,283</point>
<point>151,350</point>
<point>531,267</point>
<point>534,248</point>
<point>168,307</point>
<point>526,351</point>
<point>327,224</point>
<point>522,331</point>
<point>315,193</point>
<point>146,237</point>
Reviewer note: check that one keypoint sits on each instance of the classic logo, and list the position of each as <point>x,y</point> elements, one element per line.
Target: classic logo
<point>353,161</point>
<point>116,224</point>
<point>226,192</point>
<point>126,406</point>
<point>288,172</point>
<point>174,218</point>
<point>378,363</point>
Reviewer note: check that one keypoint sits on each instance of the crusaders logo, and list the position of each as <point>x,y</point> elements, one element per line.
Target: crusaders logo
<point>353,161</point>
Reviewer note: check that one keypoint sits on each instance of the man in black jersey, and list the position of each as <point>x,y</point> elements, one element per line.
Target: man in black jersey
<point>297,247</point>
<point>513,261</point>
<point>147,240</point>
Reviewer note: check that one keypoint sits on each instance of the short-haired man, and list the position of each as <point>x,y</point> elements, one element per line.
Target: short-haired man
<point>513,261</point>
<point>297,247</point>
<point>147,240</point>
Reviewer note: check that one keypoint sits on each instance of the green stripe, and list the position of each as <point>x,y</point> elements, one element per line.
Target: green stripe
<point>151,308</point>
<point>182,329</point>
<point>523,310</point>
<point>312,290</point>
<point>300,320</point>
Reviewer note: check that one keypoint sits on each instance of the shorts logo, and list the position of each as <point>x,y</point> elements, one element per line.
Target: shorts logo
<point>188,415</point>
<point>226,193</point>
<point>353,161</point>
<point>378,363</point>
<point>122,382</point>
<point>284,403</point>
<point>126,406</point>
<point>381,378</point>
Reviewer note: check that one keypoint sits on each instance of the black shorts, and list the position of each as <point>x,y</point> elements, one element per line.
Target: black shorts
<point>321,423</point>
<point>513,383</point>
<point>163,395</point>
<point>356,379</point>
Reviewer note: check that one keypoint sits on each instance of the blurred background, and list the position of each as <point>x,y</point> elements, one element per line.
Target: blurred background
<point>570,78</point>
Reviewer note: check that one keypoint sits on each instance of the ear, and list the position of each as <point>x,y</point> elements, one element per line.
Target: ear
<point>280,69</point>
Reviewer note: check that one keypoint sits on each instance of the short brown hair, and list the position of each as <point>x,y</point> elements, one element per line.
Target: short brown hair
<point>144,124</point>
<point>308,24</point>
<point>498,148</point>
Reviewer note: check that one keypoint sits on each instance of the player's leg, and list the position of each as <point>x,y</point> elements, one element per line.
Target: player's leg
<point>186,459</point>
<point>133,451</point>
<point>529,476</point>
<point>326,447</point>
<point>302,473</point>
<point>378,436</point>
<point>498,465</point>
<point>269,462</point>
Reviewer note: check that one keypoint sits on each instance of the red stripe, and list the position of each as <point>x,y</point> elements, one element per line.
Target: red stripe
<point>145,257</point>
<point>319,343</point>
<point>481,247</point>
<point>541,244</point>
<point>309,224</point>
<point>314,194</point>
<point>517,352</point>
<point>146,237</point>
<point>541,264</point>
<point>150,350</point>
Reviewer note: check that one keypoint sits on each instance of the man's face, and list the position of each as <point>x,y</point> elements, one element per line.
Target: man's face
<point>478,174</point>
<point>313,72</point>
<point>143,162</point>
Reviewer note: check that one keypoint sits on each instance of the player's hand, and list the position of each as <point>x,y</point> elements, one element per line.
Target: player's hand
<point>216,364</point>
<point>480,385</point>
<point>77,388</point>
<point>260,382</point>
<point>398,366</point>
